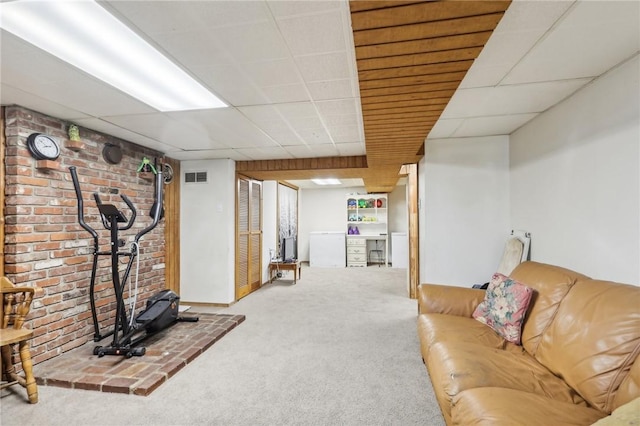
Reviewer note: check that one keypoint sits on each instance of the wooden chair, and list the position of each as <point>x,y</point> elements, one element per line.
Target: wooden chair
<point>16,302</point>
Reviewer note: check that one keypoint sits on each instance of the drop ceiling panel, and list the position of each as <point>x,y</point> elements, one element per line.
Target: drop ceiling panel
<point>194,48</point>
<point>253,43</point>
<point>299,151</point>
<point>125,134</point>
<point>281,9</point>
<point>312,34</point>
<point>209,155</point>
<point>226,125</point>
<point>166,130</point>
<point>286,93</point>
<point>444,128</point>
<point>160,17</point>
<point>270,153</point>
<point>590,40</point>
<point>10,95</point>
<point>490,126</point>
<point>505,100</point>
<point>329,66</point>
<point>232,84</point>
<point>273,73</point>
<point>352,148</point>
<point>333,89</point>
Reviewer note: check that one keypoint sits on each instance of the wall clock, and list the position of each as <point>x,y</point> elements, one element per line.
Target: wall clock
<point>43,147</point>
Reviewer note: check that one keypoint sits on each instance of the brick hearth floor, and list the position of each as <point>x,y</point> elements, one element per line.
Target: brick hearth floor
<point>166,353</point>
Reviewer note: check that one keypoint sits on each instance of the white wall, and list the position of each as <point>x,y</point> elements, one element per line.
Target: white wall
<point>269,224</point>
<point>321,210</point>
<point>398,211</point>
<point>207,233</point>
<point>575,179</point>
<point>464,211</point>
<point>324,210</point>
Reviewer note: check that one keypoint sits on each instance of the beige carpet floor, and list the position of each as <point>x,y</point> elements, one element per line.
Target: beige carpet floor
<point>338,348</point>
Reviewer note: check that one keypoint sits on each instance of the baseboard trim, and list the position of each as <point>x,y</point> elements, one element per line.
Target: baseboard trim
<point>206,304</point>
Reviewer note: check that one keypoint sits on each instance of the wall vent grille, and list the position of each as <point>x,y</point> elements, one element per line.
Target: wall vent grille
<point>195,177</point>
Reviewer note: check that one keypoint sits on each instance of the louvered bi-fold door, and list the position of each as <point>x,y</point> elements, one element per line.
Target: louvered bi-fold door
<point>249,237</point>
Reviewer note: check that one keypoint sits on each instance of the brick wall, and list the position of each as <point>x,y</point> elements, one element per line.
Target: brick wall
<point>45,246</point>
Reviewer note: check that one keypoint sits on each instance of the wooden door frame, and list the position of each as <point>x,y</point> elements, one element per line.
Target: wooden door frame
<point>252,286</point>
<point>2,182</point>
<point>172,228</point>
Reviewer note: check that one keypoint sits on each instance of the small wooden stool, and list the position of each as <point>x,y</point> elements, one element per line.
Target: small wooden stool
<point>285,266</point>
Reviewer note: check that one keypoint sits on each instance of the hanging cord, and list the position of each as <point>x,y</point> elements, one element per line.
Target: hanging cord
<point>133,300</point>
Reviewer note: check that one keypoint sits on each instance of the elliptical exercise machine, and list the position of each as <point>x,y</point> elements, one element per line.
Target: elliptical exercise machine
<point>161,310</point>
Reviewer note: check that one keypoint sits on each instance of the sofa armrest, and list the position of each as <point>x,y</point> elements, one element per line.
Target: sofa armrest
<point>443,299</point>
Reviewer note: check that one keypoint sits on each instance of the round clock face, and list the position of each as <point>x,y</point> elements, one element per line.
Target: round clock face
<point>43,147</point>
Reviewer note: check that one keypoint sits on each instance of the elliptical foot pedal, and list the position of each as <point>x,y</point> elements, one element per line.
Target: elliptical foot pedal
<point>188,319</point>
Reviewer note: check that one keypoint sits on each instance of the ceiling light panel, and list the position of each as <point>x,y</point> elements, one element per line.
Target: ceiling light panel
<point>87,36</point>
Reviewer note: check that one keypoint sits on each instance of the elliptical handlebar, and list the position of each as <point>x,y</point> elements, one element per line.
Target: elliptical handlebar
<point>156,211</point>
<point>76,186</point>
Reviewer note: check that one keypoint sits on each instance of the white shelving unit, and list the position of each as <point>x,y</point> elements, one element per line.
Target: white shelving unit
<point>367,228</point>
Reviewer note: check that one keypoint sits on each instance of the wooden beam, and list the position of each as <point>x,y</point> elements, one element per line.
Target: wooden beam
<point>424,30</point>
<point>423,12</point>
<point>426,69</point>
<point>419,59</point>
<point>412,80</point>
<point>409,47</point>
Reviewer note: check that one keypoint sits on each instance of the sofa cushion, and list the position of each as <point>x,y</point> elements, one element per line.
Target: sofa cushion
<point>630,387</point>
<point>504,306</point>
<point>457,366</point>
<point>433,328</point>
<point>594,339</point>
<point>550,284</point>
<point>507,407</point>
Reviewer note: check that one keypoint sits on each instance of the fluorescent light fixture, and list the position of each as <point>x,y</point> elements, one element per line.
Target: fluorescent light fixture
<point>326,181</point>
<point>88,37</point>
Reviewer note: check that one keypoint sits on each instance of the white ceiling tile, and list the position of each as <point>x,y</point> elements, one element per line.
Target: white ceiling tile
<point>231,84</point>
<point>107,128</point>
<point>337,107</point>
<point>352,148</point>
<point>319,33</point>
<point>528,15</point>
<point>513,99</point>
<point>208,155</point>
<point>10,95</point>
<point>501,53</point>
<point>194,48</point>
<point>341,134</point>
<point>324,150</point>
<point>286,93</point>
<point>226,125</point>
<point>164,129</point>
<point>444,128</point>
<point>285,137</point>
<point>593,37</point>
<point>282,9</point>
<point>332,89</point>
<point>271,153</point>
<point>155,17</point>
<point>490,126</point>
<point>314,136</point>
<point>299,151</point>
<point>253,43</point>
<point>297,110</point>
<point>274,73</point>
<point>329,66</point>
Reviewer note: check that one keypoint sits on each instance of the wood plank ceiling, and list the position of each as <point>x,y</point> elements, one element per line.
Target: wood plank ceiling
<point>411,57</point>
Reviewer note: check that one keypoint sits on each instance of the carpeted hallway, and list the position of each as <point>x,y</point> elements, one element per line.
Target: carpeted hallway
<point>338,348</point>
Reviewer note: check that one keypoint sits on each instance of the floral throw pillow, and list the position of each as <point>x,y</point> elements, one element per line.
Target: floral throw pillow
<point>504,307</point>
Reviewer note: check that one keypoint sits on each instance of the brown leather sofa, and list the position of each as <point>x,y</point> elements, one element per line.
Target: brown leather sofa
<point>578,360</point>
